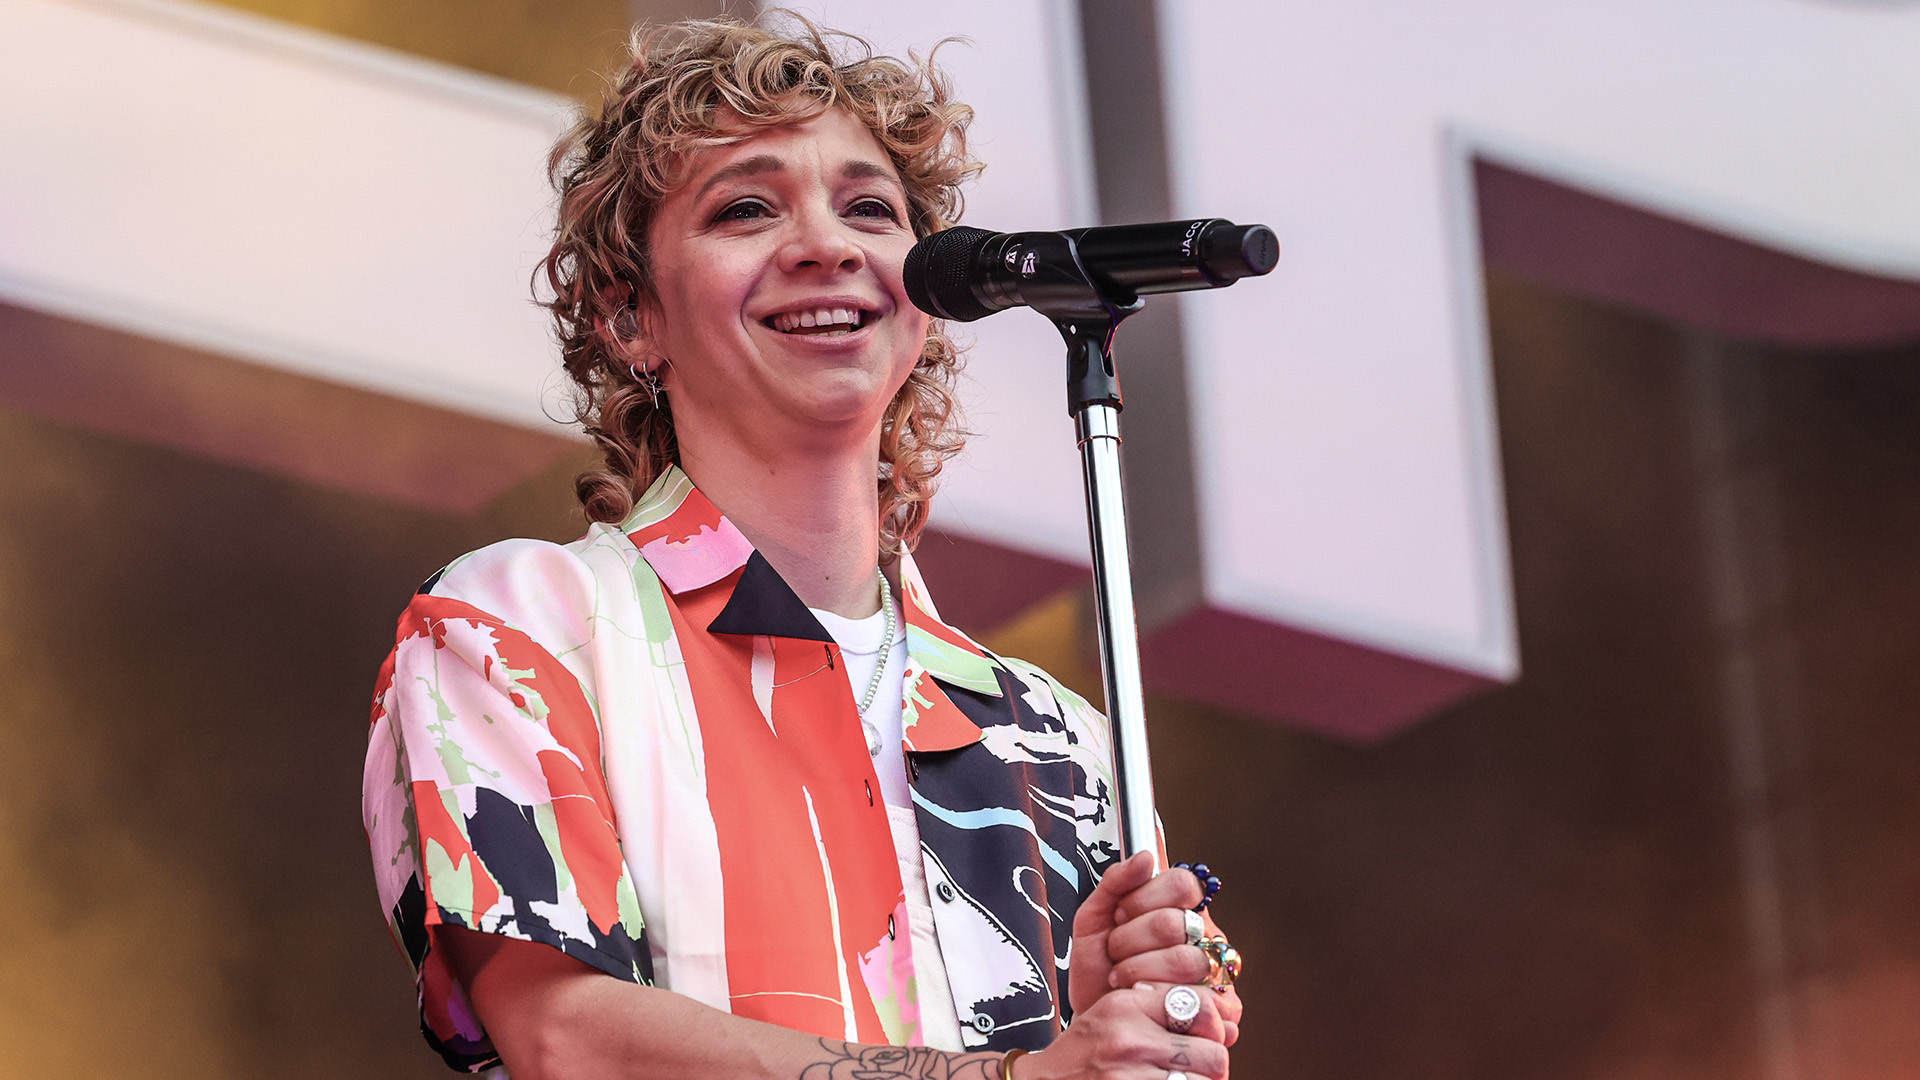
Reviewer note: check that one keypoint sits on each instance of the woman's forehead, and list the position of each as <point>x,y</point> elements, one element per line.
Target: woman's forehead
<point>835,139</point>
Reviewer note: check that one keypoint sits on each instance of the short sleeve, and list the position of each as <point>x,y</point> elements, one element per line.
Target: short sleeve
<point>486,807</point>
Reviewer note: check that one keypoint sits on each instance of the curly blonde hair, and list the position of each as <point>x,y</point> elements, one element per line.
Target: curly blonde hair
<point>703,83</point>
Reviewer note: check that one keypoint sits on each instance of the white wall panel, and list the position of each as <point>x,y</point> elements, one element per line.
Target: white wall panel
<point>220,181</point>
<point>1348,469</point>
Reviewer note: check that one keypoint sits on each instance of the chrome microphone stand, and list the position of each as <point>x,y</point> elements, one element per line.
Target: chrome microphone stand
<point>1097,423</point>
<point>1086,311</point>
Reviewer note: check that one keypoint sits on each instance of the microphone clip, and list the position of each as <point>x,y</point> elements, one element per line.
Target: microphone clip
<point>1083,307</point>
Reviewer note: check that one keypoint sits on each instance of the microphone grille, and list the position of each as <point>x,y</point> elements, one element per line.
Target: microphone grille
<point>937,272</point>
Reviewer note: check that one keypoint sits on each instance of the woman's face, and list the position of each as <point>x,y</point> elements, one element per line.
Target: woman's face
<point>780,308</point>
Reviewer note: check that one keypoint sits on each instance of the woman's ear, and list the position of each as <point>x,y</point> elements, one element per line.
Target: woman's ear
<point>629,330</point>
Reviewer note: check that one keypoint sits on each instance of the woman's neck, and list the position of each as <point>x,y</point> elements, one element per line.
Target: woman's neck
<point>813,516</point>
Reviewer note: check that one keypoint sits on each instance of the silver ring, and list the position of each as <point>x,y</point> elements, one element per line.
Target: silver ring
<point>1182,1005</point>
<point>1196,927</point>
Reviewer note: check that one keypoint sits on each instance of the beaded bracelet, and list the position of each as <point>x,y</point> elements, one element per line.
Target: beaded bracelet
<point>1209,884</point>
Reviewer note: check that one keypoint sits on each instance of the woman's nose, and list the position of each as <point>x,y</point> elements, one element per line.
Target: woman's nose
<point>819,239</point>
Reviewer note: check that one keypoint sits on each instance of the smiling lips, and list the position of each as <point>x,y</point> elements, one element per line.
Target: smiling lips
<point>819,321</point>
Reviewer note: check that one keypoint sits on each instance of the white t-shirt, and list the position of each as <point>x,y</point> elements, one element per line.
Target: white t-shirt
<point>859,641</point>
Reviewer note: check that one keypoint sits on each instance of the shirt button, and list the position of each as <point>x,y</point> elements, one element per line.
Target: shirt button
<point>983,1023</point>
<point>945,892</point>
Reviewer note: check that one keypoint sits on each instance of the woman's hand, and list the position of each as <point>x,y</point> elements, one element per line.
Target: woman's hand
<point>1124,1036</point>
<point>1133,928</point>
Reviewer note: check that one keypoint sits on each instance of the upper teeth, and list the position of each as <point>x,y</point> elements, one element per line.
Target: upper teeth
<point>792,320</point>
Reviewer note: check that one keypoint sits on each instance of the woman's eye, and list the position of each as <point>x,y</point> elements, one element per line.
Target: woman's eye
<point>744,210</point>
<point>873,208</point>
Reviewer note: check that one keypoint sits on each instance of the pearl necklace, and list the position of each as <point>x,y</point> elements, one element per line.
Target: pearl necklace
<point>879,667</point>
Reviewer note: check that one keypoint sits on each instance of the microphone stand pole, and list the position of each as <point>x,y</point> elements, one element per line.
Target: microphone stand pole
<point>1086,310</point>
<point>1093,391</point>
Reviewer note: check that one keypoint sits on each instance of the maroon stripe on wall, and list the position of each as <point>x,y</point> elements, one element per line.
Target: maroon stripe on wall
<point>1275,672</point>
<point>1620,254</point>
<point>218,407</point>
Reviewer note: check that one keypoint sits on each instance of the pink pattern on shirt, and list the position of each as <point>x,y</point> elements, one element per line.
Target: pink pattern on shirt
<point>700,559</point>
<point>887,969</point>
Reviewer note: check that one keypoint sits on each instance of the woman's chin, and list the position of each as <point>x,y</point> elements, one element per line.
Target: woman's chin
<point>845,398</point>
<point>852,413</point>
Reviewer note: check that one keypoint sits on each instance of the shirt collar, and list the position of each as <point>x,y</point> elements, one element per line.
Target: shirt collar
<point>686,539</point>
<point>938,653</point>
<point>690,544</point>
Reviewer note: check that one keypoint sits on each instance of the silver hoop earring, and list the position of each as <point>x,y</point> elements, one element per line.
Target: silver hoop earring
<point>651,381</point>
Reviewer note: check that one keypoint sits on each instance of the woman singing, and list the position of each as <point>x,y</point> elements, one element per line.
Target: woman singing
<point>712,791</point>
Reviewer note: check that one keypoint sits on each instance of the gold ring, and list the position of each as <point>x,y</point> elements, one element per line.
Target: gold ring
<point>1223,963</point>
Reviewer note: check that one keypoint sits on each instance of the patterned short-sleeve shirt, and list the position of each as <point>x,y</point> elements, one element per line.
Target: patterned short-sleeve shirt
<point>642,749</point>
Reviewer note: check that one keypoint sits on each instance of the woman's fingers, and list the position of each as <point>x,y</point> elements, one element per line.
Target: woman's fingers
<point>1127,1035</point>
<point>1170,889</point>
<point>1152,931</point>
<point>1200,1050</point>
<point>1197,1057</point>
<point>1205,1024</point>
<point>1230,1006</point>
<point>1180,963</point>
<point>1096,912</point>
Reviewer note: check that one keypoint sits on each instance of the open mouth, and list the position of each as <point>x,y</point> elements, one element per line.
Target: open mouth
<point>822,321</point>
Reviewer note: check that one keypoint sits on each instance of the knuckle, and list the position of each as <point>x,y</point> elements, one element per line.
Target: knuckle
<point>1140,1043</point>
<point>1169,926</point>
<point>1194,963</point>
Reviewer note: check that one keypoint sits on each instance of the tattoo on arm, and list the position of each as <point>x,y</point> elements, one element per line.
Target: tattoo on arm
<point>855,1061</point>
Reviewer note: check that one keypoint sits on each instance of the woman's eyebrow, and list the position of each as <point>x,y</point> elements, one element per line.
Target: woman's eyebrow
<point>758,163</point>
<point>861,169</point>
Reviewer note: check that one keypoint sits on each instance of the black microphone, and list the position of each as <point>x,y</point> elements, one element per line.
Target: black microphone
<point>966,274</point>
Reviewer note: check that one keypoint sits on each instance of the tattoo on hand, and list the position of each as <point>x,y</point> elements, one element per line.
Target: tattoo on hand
<point>854,1061</point>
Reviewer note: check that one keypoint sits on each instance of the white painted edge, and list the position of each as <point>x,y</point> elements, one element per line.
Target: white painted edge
<point>1498,645</point>
<point>260,34</point>
<point>131,317</point>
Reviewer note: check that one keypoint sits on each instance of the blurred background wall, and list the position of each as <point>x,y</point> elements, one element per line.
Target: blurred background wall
<point>1677,845</point>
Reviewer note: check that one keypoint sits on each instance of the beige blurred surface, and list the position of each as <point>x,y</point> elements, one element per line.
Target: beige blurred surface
<point>189,648</point>
<point>558,44</point>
